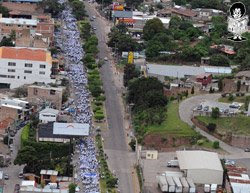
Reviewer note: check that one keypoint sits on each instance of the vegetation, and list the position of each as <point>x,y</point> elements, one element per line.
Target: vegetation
<point>173,125</point>
<point>21,92</point>
<point>25,134</point>
<point>130,72</point>
<point>51,6</point>
<point>107,179</point>
<point>72,188</point>
<point>216,144</point>
<point>238,125</point>
<point>78,9</point>
<point>132,144</point>
<point>215,113</point>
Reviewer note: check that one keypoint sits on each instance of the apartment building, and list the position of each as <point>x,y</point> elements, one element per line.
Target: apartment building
<point>19,66</point>
<point>43,94</point>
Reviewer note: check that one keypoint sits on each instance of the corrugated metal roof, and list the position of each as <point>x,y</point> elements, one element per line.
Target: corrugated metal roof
<point>240,188</point>
<point>182,71</point>
<point>49,172</point>
<point>123,14</point>
<point>199,160</point>
<point>71,129</point>
<point>32,22</point>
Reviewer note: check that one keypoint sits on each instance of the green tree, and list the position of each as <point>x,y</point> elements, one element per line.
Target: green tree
<point>216,144</point>
<point>219,60</point>
<point>51,6</point>
<point>215,113</point>
<point>192,90</point>
<point>72,188</point>
<point>238,85</point>
<point>7,42</point>
<point>132,144</point>
<point>220,84</point>
<point>85,29</point>
<point>130,72</point>
<point>4,11</point>
<point>133,3</point>
<point>211,127</point>
<point>175,22</point>
<point>21,92</point>
<point>152,27</point>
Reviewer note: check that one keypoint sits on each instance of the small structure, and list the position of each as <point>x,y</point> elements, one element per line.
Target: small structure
<point>28,183</point>
<point>151,154</point>
<point>243,77</point>
<point>205,60</point>
<point>204,79</point>
<point>48,115</point>
<point>71,129</point>
<point>48,176</point>
<point>248,112</point>
<point>203,167</point>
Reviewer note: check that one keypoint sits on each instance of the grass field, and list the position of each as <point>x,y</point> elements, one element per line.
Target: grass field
<point>240,99</point>
<point>239,125</point>
<point>25,134</point>
<point>173,124</point>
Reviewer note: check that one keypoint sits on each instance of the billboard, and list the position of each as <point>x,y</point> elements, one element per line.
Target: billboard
<point>118,7</point>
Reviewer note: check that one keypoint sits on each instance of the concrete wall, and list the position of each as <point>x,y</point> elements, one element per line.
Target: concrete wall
<point>240,141</point>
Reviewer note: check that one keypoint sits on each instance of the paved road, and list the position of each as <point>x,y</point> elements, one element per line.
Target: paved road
<point>185,111</point>
<point>13,170</point>
<point>119,158</point>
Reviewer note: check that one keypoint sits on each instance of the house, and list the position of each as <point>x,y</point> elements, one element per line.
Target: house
<point>15,109</point>
<point>40,25</point>
<point>183,13</point>
<point>140,21</point>
<point>5,125</point>
<point>227,49</point>
<point>204,79</point>
<point>22,10</point>
<point>48,115</point>
<point>41,94</point>
<point>202,166</point>
<point>205,15</point>
<point>19,66</point>
<point>244,77</point>
<point>205,60</point>
<point>45,134</point>
<point>48,176</point>
<point>61,132</point>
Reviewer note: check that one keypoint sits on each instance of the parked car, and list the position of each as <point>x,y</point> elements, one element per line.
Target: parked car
<point>206,108</point>
<point>199,108</point>
<point>17,187</point>
<point>247,150</point>
<point>20,175</point>
<point>106,59</point>
<point>6,176</point>
<point>94,17</point>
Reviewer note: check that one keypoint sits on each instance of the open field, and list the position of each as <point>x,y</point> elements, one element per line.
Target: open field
<point>173,124</point>
<point>239,125</point>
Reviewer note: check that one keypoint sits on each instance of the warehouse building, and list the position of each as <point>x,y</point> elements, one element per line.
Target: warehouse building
<point>202,166</point>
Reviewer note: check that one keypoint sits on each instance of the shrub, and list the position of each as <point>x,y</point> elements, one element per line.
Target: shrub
<point>215,113</point>
<point>132,144</point>
<point>96,108</point>
<point>216,144</point>
<point>98,103</point>
<point>99,117</point>
<point>200,142</point>
<point>211,127</point>
<point>231,97</point>
<point>101,98</point>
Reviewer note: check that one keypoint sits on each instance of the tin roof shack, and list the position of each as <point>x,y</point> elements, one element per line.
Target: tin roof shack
<point>204,79</point>
<point>243,77</point>
<point>203,167</point>
<point>48,115</point>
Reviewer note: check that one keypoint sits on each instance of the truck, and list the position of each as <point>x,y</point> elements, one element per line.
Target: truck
<point>185,186</point>
<point>192,188</point>
<point>173,163</point>
<point>178,187</point>
<point>162,183</point>
<point>171,184</point>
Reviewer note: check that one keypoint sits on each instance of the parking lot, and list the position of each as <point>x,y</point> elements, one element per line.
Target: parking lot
<point>152,168</point>
<point>226,109</point>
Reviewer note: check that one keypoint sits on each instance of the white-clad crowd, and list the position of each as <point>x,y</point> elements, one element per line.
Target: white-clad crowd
<point>68,40</point>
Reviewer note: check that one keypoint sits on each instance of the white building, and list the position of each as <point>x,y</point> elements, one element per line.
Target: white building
<point>19,66</point>
<point>202,166</point>
<point>48,115</point>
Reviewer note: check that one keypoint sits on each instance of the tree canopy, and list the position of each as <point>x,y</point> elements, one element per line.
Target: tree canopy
<point>152,27</point>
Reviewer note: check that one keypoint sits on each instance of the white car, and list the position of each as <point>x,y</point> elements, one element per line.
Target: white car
<point>94,17</point>
<point>106,59</point>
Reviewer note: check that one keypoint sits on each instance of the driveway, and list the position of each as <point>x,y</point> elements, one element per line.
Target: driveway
<point>185,112</point>
<point>115,146</point>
